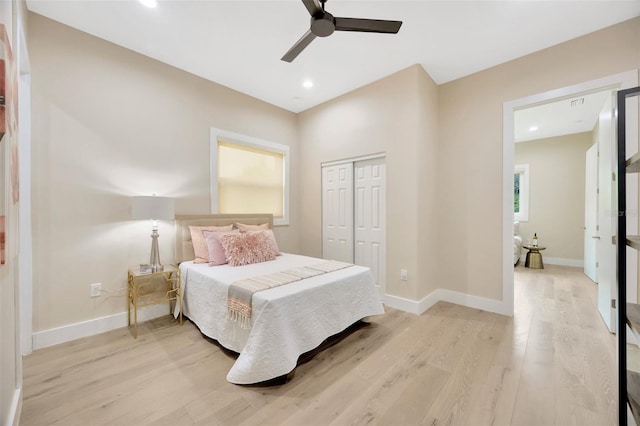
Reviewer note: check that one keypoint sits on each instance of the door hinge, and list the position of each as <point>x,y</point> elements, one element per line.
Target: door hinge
<point>597,264</point>
<point>613,176</point>
<point>597,227</point>
<point>613,239</point>
<point>613,303</point>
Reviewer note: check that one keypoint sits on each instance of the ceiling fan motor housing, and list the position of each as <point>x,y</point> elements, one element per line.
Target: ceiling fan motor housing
<point>323,25</point>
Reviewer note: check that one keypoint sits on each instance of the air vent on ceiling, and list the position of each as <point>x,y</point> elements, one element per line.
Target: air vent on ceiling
<point>577,102</point>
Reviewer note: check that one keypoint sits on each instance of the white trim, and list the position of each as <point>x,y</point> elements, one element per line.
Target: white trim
<point>15,410</point>
<point>67,333</point>
<point>354,159</point>
<point>216,135</point>
<point>468,300</point>
<point>25,269</point>
<point>622,80</point>
<point>440,295</point>
<point>560,261</point>
<point>406,305</point>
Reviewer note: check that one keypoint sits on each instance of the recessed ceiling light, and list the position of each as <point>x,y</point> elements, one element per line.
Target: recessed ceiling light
<point>308,84</point>
<point>149,3</point>
<point>533,128</point>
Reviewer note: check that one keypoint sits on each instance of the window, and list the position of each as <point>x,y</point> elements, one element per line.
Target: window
<point>249,175</point>
<point>521,193</point>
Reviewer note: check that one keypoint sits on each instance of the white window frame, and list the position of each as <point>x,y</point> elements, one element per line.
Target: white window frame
<point>523,214</point>
<point>248,141</point>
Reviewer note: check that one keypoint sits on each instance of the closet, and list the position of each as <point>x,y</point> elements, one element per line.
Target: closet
<point>353,214</point>
<point>628,310</point>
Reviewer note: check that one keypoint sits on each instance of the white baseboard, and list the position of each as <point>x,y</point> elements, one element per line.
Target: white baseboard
<point>67,333</point>
<point>16,408</point>
<point>406,305</point>
<point>418,307</point>
<point>578,263</point>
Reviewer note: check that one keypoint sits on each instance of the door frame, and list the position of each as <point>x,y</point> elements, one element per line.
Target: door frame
<point>622,80</point>
<point>590,210</point>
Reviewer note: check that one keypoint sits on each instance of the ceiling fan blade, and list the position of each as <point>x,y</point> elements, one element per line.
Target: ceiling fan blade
<point>313,6</point>
<point>367,25</point>
<point>299,46</point>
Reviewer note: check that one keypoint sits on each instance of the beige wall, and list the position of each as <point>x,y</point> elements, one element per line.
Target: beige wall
<point>445,176</point>
<point>470,146</point>
<point>556,193</point>
<point>109,124</point>
<point>398,116</point>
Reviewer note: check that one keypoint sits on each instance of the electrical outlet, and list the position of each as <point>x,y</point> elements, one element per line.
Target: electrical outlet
<point>404,275</point>
<point>96,289</point>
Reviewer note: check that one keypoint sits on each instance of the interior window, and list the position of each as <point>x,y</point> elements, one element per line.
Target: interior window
<point>249,176</point>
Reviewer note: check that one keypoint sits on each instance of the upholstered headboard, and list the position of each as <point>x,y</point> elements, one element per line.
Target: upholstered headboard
<point>184,246</point>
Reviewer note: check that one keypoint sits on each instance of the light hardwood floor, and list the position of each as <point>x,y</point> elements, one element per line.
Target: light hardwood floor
<point>552,363</point>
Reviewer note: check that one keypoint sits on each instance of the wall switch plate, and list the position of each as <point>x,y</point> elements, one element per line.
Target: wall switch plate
<point>96,289</point>
<point>404,275</point>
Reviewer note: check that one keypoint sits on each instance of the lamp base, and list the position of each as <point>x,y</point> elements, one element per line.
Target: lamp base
<point>154,259</point>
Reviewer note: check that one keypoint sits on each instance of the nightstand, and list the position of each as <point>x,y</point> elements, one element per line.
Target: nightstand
<point>151,288</point>
<point>534,257</point>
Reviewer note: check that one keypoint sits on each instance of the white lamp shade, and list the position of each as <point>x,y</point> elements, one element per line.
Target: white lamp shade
<point>152,207</point>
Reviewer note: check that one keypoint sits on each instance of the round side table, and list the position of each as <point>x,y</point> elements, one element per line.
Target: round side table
<point>534,257</point>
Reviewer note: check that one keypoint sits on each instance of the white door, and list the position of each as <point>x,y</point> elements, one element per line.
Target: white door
<point>591,212</point>
<point>337,212</point>
<point>607,222</point>
<point>369,218</point>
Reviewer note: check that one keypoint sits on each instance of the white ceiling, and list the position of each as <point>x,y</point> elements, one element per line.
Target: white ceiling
<point>239,43</point>
<point>576,114</point>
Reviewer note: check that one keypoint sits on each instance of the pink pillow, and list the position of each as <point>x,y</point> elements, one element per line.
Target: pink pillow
<point>272,240</point>
<point>199,245</point>
<point>214,248</point>
<point>246,248</point>
<point>243,227</point>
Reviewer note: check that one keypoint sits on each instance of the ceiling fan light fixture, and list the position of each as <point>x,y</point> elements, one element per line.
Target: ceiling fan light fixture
<point>149,3</point>
<point>323,24</point>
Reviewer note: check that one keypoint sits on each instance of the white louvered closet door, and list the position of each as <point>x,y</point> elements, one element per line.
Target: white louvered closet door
<point>337,212</point>
<point>369,218</point>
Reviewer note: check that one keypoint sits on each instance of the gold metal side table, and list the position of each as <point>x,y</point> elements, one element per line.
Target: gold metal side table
<point>534,257</point>
<point>151,288</point>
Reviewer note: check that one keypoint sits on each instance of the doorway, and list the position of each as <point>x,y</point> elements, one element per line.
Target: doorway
<point>614,82</point>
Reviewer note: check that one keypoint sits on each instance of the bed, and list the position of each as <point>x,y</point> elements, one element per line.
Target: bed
<point>287,321</point>
<point>517,243</point>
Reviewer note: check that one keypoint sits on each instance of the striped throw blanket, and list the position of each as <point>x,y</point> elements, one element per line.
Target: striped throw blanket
<point>241,292</point>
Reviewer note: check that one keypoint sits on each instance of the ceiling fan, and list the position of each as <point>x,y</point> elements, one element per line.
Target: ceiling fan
<point>323,24</point>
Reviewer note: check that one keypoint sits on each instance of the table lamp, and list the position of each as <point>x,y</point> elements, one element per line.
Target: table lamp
<point>153,208</point>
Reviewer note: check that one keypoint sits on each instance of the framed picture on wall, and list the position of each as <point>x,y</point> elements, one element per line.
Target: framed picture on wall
<point>8,138</point>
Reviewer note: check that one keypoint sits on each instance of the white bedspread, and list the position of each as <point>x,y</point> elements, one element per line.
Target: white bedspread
<point>287,321</point>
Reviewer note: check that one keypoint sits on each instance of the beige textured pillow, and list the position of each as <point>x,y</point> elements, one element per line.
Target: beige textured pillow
<point>246,248</point>
<point>199,244</point>
<point>243,227</point>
